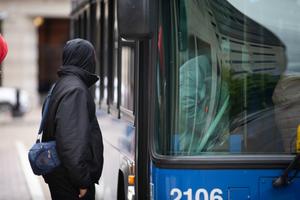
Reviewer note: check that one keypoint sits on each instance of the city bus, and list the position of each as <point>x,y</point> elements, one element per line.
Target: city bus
<point>197,99</point>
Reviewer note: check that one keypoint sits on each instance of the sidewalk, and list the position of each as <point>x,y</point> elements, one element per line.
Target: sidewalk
<point>17,136</point>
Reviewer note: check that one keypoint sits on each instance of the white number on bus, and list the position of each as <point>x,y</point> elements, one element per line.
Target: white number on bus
<point>177,193</point>
<point>201,194</point>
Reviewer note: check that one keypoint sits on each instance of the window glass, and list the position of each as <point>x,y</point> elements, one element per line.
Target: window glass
<point>228,76</point>
<point>85,25</point>
<point>80,26</point>
<point>92,23</point>
<point>115,48</point>
<point>109,55</point>
<point>101,52</point>
<point>127,77</point>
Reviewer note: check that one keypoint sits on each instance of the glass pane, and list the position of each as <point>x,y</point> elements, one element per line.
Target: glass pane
<point>115,53</point>
<point>85,25</point>
<point>103,82</point>
<point>228,73</point>
<point>127,80</point>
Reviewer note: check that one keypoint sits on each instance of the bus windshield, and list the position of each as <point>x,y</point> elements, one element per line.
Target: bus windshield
<point>228,77</point>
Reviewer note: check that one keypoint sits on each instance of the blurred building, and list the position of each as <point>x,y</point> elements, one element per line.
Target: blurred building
<point>36,31</point>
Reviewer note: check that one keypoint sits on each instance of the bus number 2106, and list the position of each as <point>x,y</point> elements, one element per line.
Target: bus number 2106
<point>200,194</point>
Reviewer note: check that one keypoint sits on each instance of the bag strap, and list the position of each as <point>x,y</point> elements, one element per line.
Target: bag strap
<point>46,108</point>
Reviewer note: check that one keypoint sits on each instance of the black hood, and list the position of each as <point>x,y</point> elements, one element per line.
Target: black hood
<point>80,53</point>
<point>79,59</point>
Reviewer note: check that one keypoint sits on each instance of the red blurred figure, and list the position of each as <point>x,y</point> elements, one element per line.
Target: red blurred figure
<point>3,48</point>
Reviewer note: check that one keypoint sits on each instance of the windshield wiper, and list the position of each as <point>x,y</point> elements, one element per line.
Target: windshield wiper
<point>284,179</point>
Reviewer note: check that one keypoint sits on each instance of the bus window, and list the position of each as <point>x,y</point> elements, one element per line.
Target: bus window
<point>224,82</point>
<point>195,82</point>
<point>127,77</point>
<point>76,27</point>
<point>92,24</point>
<point>111,55</point>
<point>95,35</point>
<point>73,28</point>
<point>85,25</point>
<point>103,83</point>
<point>80,26</point>
<point>115,56</point>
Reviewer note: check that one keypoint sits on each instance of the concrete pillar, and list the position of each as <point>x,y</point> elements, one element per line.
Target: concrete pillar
<point>20,67</point>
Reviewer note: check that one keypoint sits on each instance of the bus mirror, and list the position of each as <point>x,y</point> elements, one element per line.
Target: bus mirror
<point>135,20</point>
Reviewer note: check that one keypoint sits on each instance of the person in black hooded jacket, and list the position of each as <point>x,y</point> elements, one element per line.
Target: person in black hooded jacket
<point>72,123</point>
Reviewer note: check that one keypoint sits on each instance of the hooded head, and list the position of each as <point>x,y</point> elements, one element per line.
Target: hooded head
<point>3,48</point>
<point>79,59</point>
<point>79,53</point>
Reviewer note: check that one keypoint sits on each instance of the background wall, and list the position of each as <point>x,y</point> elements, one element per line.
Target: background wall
<point>21,20</point>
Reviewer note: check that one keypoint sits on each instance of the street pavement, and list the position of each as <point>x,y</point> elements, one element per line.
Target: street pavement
<point>17,182</point>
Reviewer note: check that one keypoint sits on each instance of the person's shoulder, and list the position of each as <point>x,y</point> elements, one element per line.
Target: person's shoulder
<point>198,60</point>
<point>71,84</point>
<point>72,81</point>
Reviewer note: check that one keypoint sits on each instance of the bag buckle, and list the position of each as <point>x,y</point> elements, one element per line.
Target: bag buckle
<point>39,138</point>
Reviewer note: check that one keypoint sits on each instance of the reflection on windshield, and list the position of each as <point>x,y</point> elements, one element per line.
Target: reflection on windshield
<point>234,85</point>
<point>285,25</point>
<point>286,94</point>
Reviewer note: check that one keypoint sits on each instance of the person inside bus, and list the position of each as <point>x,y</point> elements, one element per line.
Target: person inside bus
<point>3,49</point>
<point>200,130</point>
<point>193,102</point>
<point>286,98</point>
<point>72,123</point>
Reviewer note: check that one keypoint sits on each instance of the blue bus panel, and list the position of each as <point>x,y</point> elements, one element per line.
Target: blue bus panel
<point>220,184</point>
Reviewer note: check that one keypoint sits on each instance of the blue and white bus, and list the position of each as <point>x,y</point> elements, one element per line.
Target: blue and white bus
<point>198,99</point>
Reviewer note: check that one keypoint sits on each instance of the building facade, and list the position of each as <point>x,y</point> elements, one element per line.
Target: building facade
<point>21,22</point>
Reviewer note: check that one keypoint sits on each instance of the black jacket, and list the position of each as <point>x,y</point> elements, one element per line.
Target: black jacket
<point>72,123</point>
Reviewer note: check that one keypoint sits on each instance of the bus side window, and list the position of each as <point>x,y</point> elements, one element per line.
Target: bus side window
<point>80,27</point>
<point>103,84</point>
<point>84,25</point>
<point>92,33</point>
<point>113,60</point>
<point>93,30</point>
<point>127,79</point>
